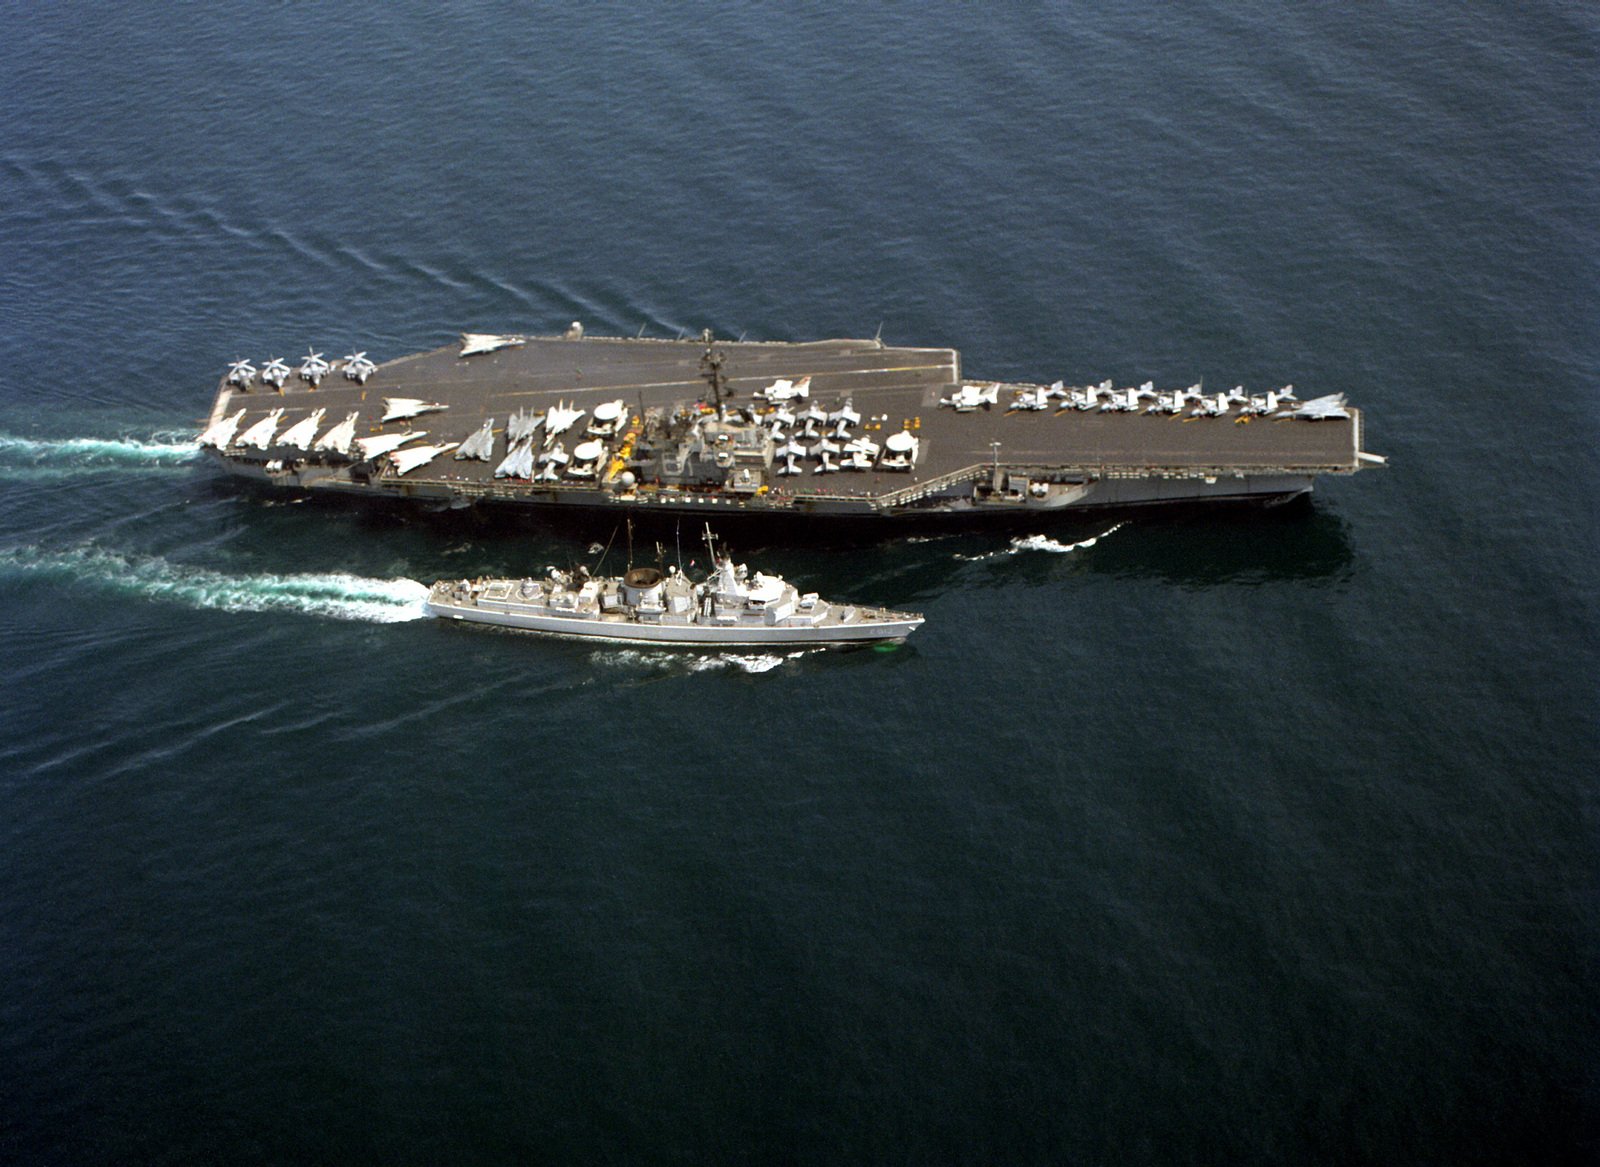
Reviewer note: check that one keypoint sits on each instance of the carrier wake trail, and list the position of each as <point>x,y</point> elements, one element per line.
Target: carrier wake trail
<point>335,595</point>
<point>63,457</point>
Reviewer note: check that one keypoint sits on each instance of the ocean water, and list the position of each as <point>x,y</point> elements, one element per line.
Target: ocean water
<point>1244,837</point>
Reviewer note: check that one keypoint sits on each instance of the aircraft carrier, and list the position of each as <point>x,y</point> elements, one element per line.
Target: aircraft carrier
<point>822,428</point>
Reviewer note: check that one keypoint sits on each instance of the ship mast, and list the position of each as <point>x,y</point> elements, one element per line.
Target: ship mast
<point>711,369</point>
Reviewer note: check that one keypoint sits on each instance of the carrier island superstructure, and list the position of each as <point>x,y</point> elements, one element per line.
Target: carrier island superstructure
<point>822,428</point>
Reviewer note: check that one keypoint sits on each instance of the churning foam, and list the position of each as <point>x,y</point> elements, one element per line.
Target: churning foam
<point>338,596</point>
<point>28,458</point>
<point>1045,543</point>
<point>681,661</point>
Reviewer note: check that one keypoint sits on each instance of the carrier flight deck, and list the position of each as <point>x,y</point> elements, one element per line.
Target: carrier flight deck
<point>831,427</point>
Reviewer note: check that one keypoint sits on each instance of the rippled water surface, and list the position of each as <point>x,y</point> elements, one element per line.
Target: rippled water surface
<point>1213,837</point>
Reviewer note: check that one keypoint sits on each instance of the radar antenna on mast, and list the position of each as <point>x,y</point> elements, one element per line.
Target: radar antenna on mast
<point>711,369</point>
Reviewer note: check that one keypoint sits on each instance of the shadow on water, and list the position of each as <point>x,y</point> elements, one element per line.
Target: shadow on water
<point>1301,541</point>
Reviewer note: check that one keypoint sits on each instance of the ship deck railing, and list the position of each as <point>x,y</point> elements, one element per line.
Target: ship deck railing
<point>915,491</point>
<point>930,486</point>
<point>1088,473</point>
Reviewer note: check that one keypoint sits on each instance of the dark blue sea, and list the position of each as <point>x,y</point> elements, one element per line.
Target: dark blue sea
<point>1243,837</point>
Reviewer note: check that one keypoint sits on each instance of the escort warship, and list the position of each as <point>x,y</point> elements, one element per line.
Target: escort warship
<point>730,608</point>
<point>823,428</point>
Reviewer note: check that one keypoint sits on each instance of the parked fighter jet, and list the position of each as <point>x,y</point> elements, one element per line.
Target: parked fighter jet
<point>558,420</point>
<point>400,408</point>
<point>313,368</point>
<point>1322,408</point>
<point>299,435</point>
<point>843,418</point>
<point>784,389</point>
<point>341,437</point>
<point>970,397</point>
<point>259,436</point>
<point>778,421</point>
<point>552,461</point>
<point>518,462</point>
<point>813,418</point>
<point>357,368</point>
<point>275,372</point>
<point>383,443</point>
<point>405,461</point>
<point>789,452</point>
<point>859,454</point>
<point>521,424</point>
<point>222,433</point>
<point>480,445</point>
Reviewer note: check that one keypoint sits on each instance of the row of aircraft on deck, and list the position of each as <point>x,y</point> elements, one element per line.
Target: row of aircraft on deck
<point>1195,401</point>
<point>535,451</point>
<point>341,439</point>
<point>797,434</point>
<point>313,368</point>
<point>833,445</point>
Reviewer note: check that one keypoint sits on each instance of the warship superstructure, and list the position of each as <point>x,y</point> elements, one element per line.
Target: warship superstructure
<point>731,608</point>
<point>828,428</point>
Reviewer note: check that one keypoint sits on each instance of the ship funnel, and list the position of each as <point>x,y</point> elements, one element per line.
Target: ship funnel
<point>643,587</point>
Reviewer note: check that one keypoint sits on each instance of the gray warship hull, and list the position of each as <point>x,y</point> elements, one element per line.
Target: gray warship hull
<point>624,631</point>
<point>672,612</point>
<point>671,452</point>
